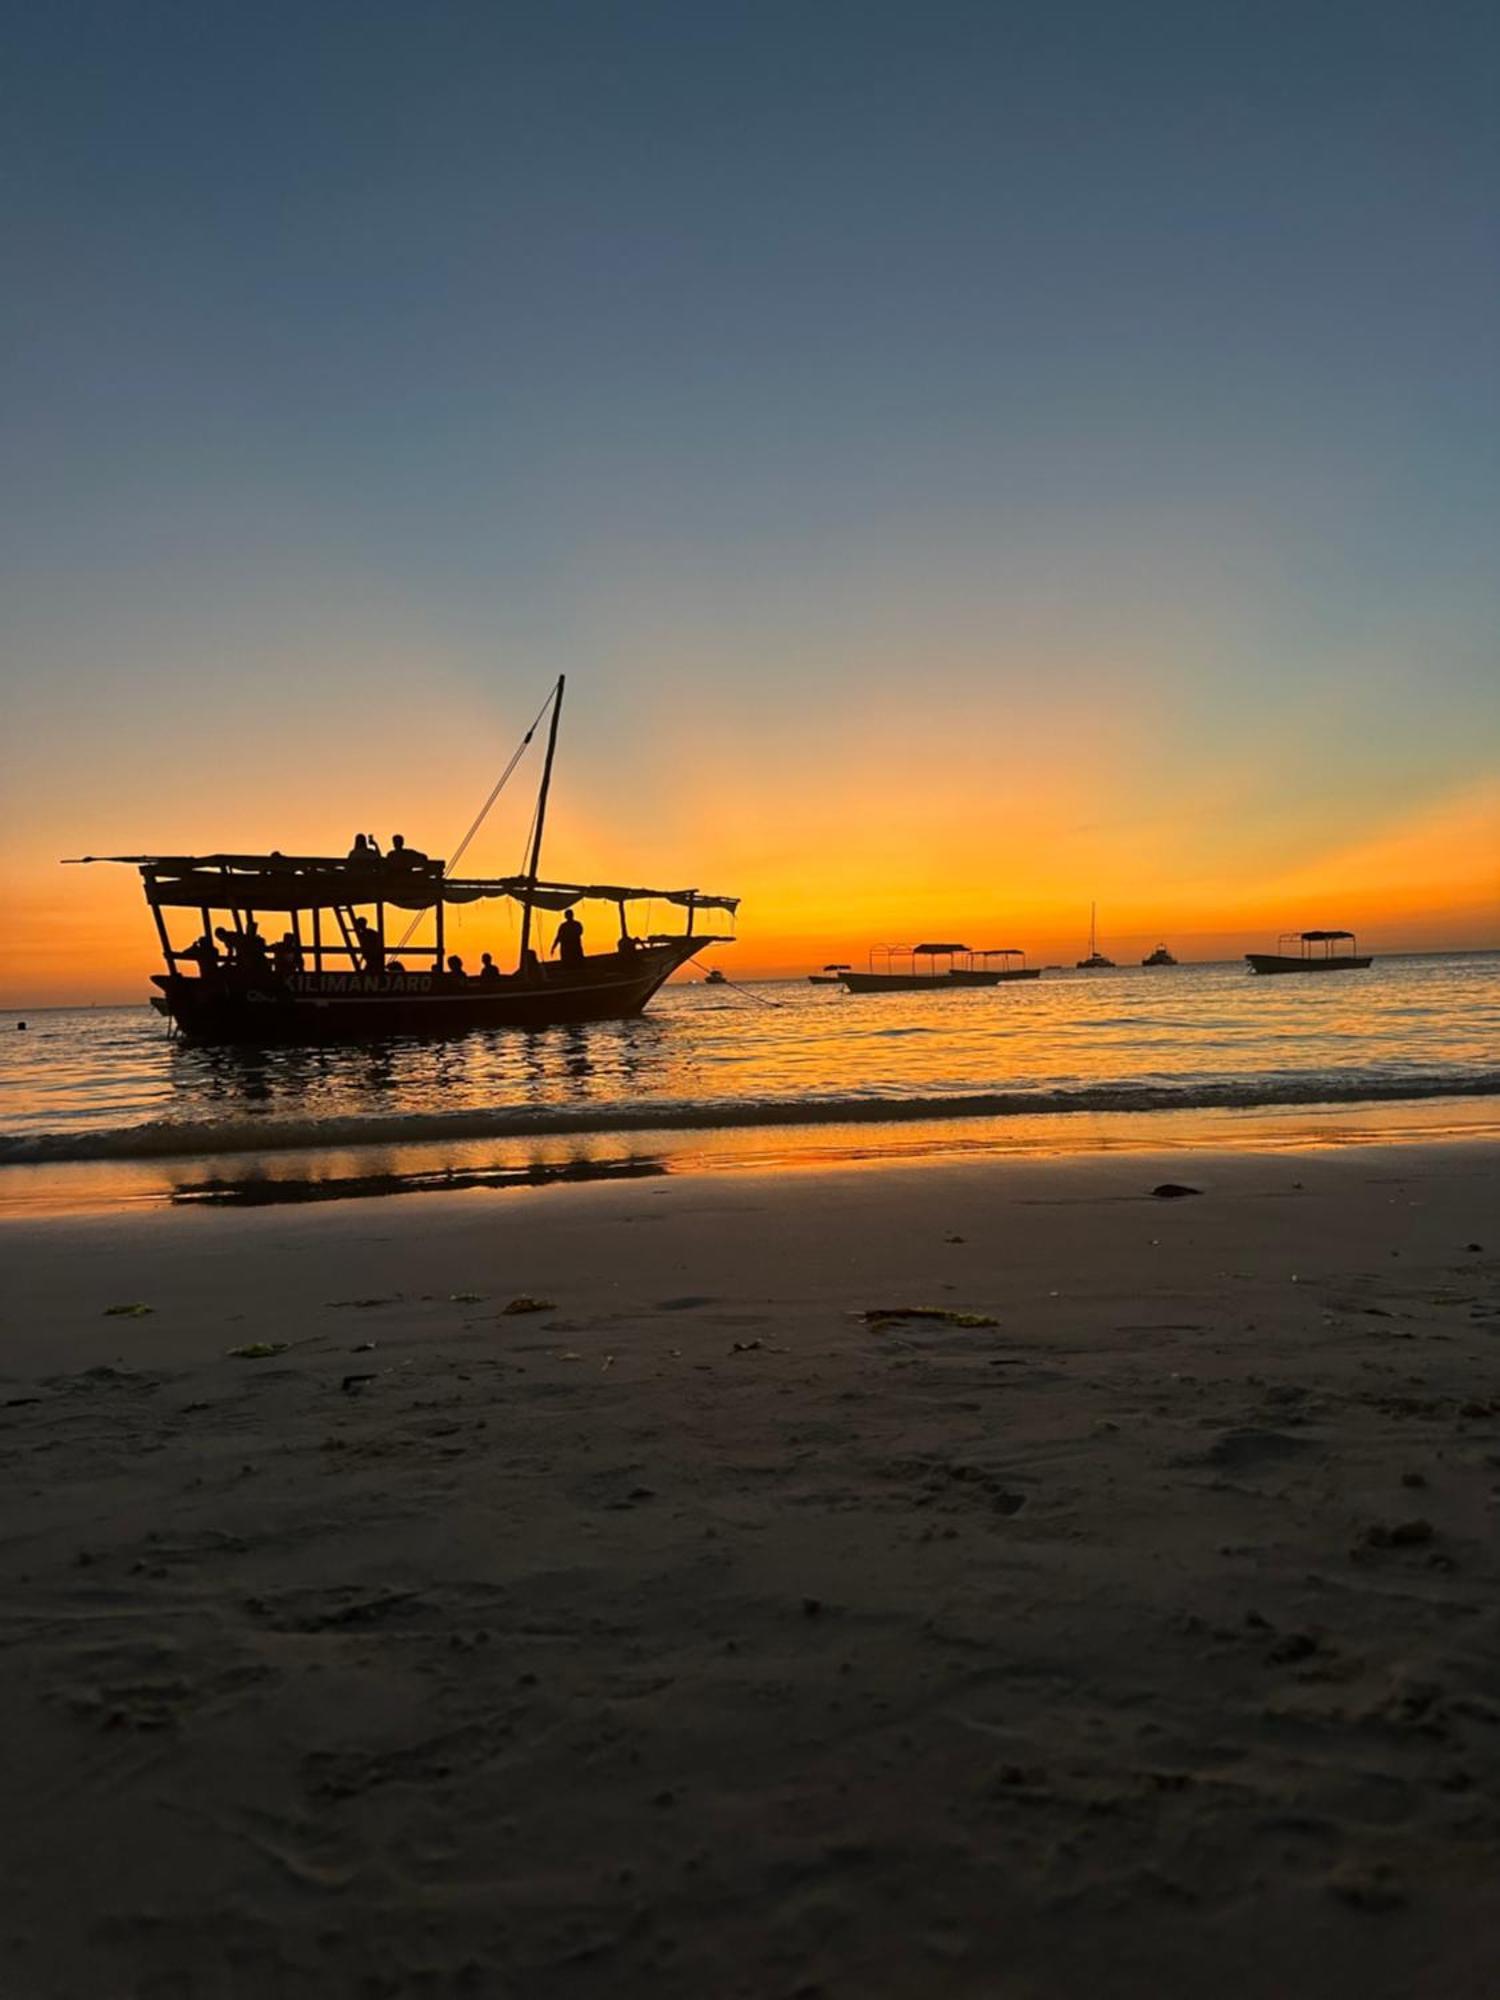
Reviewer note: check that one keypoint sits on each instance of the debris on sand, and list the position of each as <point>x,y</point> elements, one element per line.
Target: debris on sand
<point>135,1311</point>
<point>1173,1190</point>
<point>1373,1889</point>
<point>1397,1535</point>
<point>259,1350</point>
<point>878,1316</point>
<point>524,1303</point>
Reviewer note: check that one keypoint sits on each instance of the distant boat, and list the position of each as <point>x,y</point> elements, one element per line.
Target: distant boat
<point>1096,961</point>
<point>829,976</point>
<point>1307,959</point>
<point>1161,956</point>
<point>714,978</point>
<point>894,968</point>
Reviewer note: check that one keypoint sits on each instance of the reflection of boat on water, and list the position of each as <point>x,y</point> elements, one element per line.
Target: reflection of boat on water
<point>829,976</point>
<point>1308,959</point>
<point>1096,961</point>
<point>894,968</point>
<point>714,978</point>
<point>1161,956</point>
<point>339,982</point>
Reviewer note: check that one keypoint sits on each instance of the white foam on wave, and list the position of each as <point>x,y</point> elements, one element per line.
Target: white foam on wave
<point>188,1139</point>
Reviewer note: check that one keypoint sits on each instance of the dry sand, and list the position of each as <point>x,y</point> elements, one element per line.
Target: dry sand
<point>696,1636</point>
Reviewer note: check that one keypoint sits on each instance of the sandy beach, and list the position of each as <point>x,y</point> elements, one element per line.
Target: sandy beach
<point>1123,1623</point>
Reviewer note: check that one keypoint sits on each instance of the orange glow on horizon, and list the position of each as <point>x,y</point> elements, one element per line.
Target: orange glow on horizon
<point>837,864</point>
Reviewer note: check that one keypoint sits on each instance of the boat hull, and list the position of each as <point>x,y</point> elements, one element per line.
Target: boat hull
<point>1271,961</point>
<point>995,978</point>
<point>358,1007</point>
<point>924,982</point>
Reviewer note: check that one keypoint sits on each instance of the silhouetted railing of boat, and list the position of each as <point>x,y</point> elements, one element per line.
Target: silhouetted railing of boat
<point>343,981</point>
<point>1309,958</point>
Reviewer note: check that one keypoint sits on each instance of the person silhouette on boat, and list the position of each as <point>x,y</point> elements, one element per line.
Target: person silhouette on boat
<point>489,972</point>
<point>371,946</point>
<point>456,966</point>
<point>204,953</point>
<point>402,856</point>
<point>286,955</point>
<point>254,956</point>
<point>244,951</point>
<point>568,944</point>
<point>361,850</point>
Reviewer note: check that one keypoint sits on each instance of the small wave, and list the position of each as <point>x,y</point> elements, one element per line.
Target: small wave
<point>186,1140</point>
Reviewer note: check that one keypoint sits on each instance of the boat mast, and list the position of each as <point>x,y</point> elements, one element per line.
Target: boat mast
<point>1093,940</point>
<point>541,821</point>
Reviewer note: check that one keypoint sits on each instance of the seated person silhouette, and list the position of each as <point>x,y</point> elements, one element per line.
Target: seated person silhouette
<point>489,972</point>
<point>568,944</point>
<point>456,966</point>
<point>205,955</point>
<point>253,955</point>
<point>402,856</point>
<point>286,955</point>
<point>371,949</point>
<point>361,850</point>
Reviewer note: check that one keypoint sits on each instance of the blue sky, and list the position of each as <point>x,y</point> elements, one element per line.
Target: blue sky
<point>1127,372</point>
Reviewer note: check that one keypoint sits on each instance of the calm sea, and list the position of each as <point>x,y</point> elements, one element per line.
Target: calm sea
<point>110,1083</point>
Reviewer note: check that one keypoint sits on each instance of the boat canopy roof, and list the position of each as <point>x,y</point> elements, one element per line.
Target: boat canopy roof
<point>1323,937</point>
<point>936,950</point>
<point>999,951</point>
<point>320,882</point>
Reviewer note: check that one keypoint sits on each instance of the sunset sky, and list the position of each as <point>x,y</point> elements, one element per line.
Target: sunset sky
<point>969,459</point>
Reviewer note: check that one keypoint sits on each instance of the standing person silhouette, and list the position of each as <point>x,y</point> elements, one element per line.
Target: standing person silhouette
<point>568,944</point>
<point>371,951</point>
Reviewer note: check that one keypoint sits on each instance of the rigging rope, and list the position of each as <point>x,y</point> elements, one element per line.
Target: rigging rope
<point>483,814</point>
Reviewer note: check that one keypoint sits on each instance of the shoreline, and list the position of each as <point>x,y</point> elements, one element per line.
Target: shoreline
<point>254,1177</point>
<point>1130,1629</point>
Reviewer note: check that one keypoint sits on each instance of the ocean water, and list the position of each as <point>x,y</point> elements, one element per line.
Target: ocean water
<point>110,1083</point>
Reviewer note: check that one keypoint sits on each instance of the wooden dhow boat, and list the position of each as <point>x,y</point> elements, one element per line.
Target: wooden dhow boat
<point>935,968</point>
<point>333,975</point>
<point>1308,958</point>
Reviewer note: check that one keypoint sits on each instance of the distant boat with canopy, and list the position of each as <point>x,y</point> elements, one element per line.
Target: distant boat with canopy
<point>337,976</point>
<point>829,976</point>
<point>1316,953</point>
<point>948,968</point>
<point>1161,956</point>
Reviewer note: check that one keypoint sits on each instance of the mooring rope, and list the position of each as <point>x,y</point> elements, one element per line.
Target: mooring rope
<point>744,992</point>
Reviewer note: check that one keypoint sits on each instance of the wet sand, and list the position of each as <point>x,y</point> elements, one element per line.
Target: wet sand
<point>697,1634</point>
